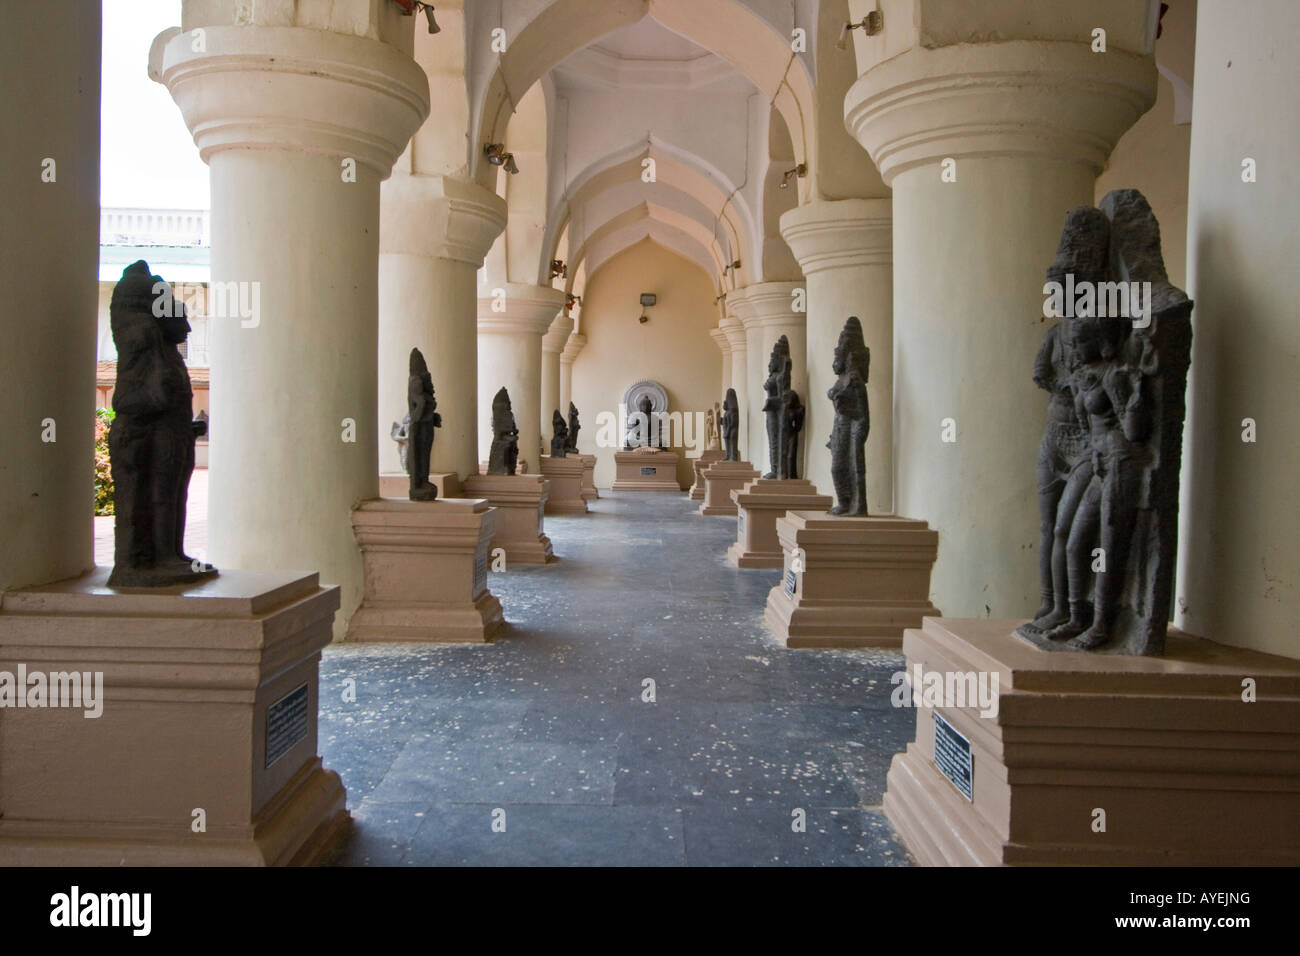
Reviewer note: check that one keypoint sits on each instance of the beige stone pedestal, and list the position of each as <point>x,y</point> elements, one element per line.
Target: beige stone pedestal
<point>759,504</point>
<point>565,476</point>
<point>646,469</point>
<point>589,490</point>
<point>851,582</point>
<point>1185,770</point>
<point>519,500</point>
<point>722,478</point>
<point>399,485</point>
<point>425,570</point>
<point>209,703</point>
<point>707,457</point>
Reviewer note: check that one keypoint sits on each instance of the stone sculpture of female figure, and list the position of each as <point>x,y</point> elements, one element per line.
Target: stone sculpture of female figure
<point>503,456</point>
<point>852,421</point>
<point>777,387</point>
<point>730,426</point>
<point>424,419</point>
<point>560,440</point>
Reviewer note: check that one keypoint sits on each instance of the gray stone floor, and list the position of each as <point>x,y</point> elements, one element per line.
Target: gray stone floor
<point>547,725</point>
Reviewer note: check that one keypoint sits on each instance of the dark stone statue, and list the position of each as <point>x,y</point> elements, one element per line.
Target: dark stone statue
<point>574,428</point>
<point>730,426</point>
<point>852,363</point>
<point>424,419</point>
<point>151,440</point>
<point>794,415</point>
<point>503,458</point>
<point>560,441</point>
<point>1108,476</point>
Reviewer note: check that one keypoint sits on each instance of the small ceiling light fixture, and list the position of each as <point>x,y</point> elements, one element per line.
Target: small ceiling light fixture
<point>496,155</point>
<point>558,269</point>
<point>410,6</point>
<point>871,25</point>
<point>647,299</point>
<point>801,171</point>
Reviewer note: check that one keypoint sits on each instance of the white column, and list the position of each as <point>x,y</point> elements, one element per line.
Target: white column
<point>1027,125</point>
<point>510,355</point>
<point>734,330</point>
<point>298,126</point>
<point>719,336</point>
<point>49,267</point>
<point>434,233</point>
<point>553,343</point>
<point>577,341</point>
<point>766,311</point>
<point>1238,561</point>
<point>845,249</point>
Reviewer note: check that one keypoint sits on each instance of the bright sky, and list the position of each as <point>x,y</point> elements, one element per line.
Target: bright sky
<point>147,156</point>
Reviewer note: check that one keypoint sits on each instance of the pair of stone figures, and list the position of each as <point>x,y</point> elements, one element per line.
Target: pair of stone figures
<point>785,417</point>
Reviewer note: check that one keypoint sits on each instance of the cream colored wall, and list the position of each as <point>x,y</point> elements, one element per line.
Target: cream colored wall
<point>1152,157</point>
<point>673,348</point>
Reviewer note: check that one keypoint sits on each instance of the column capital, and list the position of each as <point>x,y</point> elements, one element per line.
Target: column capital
<point>577,341</point>
<point>293,88</point>
<point>558,335</point>
<point>768,303</point>
<point>840,234</point>
<point>439,217</point>
<point>530,310</point>
<point>734,330</point>
<point>1046,99</point>
<point>719,336</point>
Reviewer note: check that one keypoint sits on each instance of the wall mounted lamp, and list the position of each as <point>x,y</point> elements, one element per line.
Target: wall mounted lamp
<point>410,6</point>
<point>496,155</point>
<point>647,299</point>
<point>871,24</point>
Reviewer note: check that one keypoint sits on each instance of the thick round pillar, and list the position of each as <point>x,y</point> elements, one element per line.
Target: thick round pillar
<point>298,126</point>
<point>577,341</point>
<point>734,330</point>
<point>845,249</point>
<point>553,343</point>
<point>1238,560</point>
<point>510,355</point>
<point>50,167</point>
<point>434,232</point>
<point>987,146</point>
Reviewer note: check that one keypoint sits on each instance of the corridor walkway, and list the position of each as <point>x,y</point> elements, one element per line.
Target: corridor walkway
<point>548,723</point>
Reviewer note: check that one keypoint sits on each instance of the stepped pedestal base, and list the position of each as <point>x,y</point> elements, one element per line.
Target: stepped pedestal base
<point>1185,771</point>
<point>589,490</point>
<point>851,582</point>
<point>708,457</point>
<point>519,500</point>
<point>425,571</point>
<point>565,476</point>
<point>204,753</point>
<point>722,478</point>
<point>645,469</point>
<point>759,504</point>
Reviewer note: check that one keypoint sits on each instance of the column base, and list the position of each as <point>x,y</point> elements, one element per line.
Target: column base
<point>589,490</point>
<point>722,478</point>
<point>425,571</point>
<point>759,503</point>
<point>644,469</point>
<point>399,485</point>
<point>707,457</point>
<point>209,702</point>
<point>861,582</point>
<point>1185,771</point>
<point>519,500</point>
<point>565,476</point>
